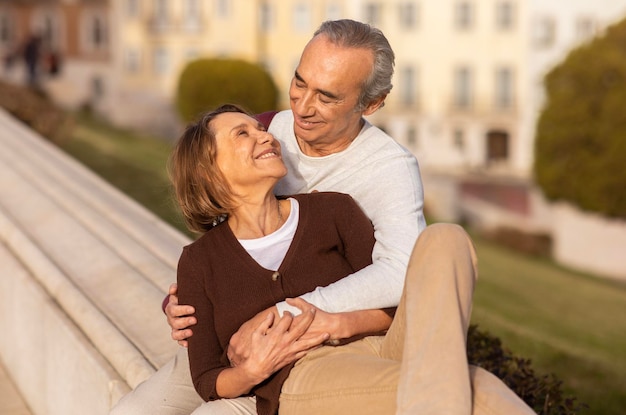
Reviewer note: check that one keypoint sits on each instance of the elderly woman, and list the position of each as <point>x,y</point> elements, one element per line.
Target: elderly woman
<point>257,249</point>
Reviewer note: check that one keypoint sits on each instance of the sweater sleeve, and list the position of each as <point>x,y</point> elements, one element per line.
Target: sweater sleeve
<point>205,351</point>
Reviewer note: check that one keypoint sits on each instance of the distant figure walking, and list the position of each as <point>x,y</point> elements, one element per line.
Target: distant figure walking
<point>31,53</point>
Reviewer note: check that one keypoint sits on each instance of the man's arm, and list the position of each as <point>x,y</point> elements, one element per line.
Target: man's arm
<point>390,193</point>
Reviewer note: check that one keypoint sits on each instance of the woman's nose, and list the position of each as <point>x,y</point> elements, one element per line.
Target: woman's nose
<point>265,137</point>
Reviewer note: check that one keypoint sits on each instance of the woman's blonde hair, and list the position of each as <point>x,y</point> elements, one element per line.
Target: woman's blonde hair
<point>202,192</point>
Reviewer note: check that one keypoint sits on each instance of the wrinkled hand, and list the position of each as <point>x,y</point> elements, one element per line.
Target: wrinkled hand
<point>324,323</point>
<point>240,345</point>
<point>179,317</point>
<point>275,344</point>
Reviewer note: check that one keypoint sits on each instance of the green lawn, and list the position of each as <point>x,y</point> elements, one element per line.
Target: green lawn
<point>567,323</point>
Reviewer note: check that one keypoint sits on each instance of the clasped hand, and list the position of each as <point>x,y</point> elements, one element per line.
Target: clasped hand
<point>281,340</point>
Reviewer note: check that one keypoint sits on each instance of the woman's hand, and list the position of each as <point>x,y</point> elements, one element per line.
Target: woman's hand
<point>273,345</point>
<point>179,317</point>
<point>239,347</point>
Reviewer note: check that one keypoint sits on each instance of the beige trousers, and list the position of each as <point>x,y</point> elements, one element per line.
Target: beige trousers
<point>420,366</point>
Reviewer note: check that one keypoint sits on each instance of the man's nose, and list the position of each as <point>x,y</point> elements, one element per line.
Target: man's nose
<point>304,104</point>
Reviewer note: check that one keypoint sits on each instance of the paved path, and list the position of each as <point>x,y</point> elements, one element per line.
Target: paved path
<point>11,402</point>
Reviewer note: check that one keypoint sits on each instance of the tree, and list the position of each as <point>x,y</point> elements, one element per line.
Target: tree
<point>207,83</point>
<point>580,144</point>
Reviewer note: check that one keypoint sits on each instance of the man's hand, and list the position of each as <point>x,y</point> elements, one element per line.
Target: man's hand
<point>179,317</point>
<point>341,325</point>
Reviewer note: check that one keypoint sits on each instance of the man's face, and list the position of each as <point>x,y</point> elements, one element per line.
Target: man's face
<point>324,94</point>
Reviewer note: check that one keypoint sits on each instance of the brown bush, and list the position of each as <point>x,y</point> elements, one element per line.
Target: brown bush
<point>34,109</point>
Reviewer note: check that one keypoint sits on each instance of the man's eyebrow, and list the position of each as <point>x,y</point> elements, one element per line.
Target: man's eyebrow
<point>321,91</point>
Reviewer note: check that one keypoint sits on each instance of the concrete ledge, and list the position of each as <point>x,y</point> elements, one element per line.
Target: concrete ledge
<point>86,269</point>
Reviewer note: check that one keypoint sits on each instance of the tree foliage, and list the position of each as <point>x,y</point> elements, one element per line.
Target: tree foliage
<point>580,145</point>
<point>207,83</point>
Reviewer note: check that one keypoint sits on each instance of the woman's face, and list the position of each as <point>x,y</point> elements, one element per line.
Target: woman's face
<point>247,155</point>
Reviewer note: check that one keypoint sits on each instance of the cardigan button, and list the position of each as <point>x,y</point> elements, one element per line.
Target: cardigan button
<point>275,275</point>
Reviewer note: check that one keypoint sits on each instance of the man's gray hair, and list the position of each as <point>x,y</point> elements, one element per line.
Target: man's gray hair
<point>352,34</point>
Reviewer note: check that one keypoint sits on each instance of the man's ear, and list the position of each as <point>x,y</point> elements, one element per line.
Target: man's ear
<point>374,105</point>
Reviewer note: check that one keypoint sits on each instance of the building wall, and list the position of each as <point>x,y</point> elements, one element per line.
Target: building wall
<point>133,78</point>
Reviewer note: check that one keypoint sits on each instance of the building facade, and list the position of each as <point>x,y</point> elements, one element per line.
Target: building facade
<point>467,87</point>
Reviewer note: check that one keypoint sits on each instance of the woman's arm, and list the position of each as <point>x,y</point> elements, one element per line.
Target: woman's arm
<point>274,343</point>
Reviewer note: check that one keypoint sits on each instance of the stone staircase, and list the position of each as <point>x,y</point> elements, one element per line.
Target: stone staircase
<point>83,271</point>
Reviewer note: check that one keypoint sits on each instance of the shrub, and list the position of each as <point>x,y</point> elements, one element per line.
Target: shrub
<point>34,109</point>
<point>542,393</point>
<point>580,144</point>
<point>207,83</point>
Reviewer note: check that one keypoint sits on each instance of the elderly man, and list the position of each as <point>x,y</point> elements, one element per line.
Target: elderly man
<point>420,366</point>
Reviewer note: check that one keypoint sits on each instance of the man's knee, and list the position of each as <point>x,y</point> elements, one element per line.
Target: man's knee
<point>445,242</point>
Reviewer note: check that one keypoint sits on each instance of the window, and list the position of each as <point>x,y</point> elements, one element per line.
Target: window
<point>411,137</point>
<point>463,88</point>
<point>301,18</point>
<point>373,14</point>
<point>160,61</point>
<point>223,8</point>
<point>458,139</point>
<point>266,17</point>
<point>505,18</point>
<point>94,31</point>
<point>97,87</point>
<point>544,32</point>
<point>407,14</point>
<point>192,15</point>
<point>585,28</point>
<point>132,8</point>
<point>99,35</point>
<point>160,13</point>
<point>132,61</point>
<point>463,15</point>
<point>333,12</point>
<point>407,86</point>
<point>504,88</point>
<point>6,29</point>
<point>497,145</point>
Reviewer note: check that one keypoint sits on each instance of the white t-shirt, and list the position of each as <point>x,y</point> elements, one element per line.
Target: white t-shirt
<point>270,250</point>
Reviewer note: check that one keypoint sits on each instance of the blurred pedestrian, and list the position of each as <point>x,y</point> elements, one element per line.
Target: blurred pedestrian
<point>31,55</point>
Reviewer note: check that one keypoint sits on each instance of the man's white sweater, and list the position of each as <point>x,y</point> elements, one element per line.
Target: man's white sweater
<point>384,178</point>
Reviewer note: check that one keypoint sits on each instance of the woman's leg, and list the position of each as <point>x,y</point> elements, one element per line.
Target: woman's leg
<point>169,391</point>
<point>246,405</point>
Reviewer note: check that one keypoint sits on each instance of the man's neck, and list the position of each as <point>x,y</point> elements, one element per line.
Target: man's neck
<point>324,149</point>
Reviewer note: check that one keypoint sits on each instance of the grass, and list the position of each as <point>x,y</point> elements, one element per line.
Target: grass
<point>567,323</point>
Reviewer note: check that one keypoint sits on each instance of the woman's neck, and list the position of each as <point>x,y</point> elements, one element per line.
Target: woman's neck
<point>255,219</point>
